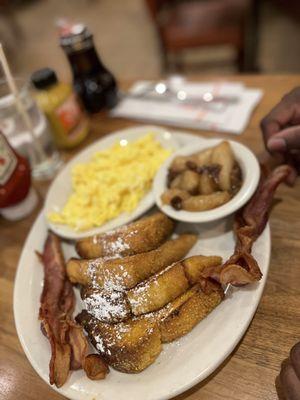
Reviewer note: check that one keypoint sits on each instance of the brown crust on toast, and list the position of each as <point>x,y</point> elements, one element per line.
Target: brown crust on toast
<point>127,272</point>
<point>143,235</point>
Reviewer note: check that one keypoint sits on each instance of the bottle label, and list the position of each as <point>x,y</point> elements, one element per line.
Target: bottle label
<point>69,114</point>
<point>8,161</point>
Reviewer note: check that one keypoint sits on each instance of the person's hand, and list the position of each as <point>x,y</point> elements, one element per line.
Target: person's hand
<point>281,127</point>
<point>289,377</point>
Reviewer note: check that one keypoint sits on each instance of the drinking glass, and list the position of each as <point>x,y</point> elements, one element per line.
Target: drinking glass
<point>43,157</point>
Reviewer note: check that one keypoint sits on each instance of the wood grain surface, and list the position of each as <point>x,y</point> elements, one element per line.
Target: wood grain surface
<point>250,372</point>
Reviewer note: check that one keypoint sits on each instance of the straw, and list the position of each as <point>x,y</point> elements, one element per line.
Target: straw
<point>14,90</point>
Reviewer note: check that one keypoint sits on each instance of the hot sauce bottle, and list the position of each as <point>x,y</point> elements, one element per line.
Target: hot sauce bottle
<point>17,197</point>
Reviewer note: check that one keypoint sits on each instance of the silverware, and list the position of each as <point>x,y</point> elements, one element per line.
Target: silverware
<point>162,92</point>
<point>227,289</point>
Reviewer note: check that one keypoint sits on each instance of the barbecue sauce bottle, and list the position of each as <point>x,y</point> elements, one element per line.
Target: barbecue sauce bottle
<point>93,83</point>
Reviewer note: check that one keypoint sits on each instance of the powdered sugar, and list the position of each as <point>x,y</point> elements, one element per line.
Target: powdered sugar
<point>99,343</point>
<point>112,337</point>
<point>111,279</point>
<point>109,303</point>
<point>113,283</point>
<point>121,330</point>
<point>115,246</point>
<point>140,294</point>
<point>106,305</point>
<point>101,346</point>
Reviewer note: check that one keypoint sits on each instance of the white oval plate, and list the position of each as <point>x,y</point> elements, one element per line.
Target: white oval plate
<point>250,170</point>
<point>182,363</point>
<point>61,187</point>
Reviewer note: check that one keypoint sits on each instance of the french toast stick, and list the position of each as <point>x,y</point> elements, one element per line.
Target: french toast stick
<point>106,305</point>
<point>133,345</point>
<point>109,305</point>
<point>114,307</point>
<point>194,265</point>
<point>172,307</point>
<point>158,290</point>
<point>168,284</point>
<point>127,272</point>
<point>138,237</point>
<point>129,346</point>
<point>183,319</point>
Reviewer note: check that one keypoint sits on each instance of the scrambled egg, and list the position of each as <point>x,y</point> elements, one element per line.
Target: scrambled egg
<point>111,183</point>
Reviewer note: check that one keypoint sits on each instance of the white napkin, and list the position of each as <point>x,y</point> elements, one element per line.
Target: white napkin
<point>232,118</point>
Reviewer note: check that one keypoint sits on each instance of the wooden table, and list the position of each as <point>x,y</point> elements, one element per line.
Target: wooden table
<point>250,372</point>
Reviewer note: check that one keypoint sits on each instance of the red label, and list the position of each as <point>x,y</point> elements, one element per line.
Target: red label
<point>8,161</point>
<point>69,114</point>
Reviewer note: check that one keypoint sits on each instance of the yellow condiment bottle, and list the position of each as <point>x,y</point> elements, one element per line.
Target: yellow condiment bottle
<point>57,100</point>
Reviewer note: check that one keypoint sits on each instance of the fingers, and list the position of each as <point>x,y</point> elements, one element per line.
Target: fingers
<point>289,382</point>
<point>284,114</point>
<point>295,359</point>
<point>279,117</point>
<point>269,127</point>
<point>285,140</point>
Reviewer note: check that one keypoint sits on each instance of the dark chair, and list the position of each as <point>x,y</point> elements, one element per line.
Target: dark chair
<point>185,25</point>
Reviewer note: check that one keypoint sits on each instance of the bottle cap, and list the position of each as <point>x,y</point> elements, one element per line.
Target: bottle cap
<point>44,78</point>
<point>75,37</point>
<point>22,209</point>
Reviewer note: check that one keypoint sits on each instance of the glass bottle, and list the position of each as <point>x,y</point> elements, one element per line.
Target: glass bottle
<point>60,104</point>
<point>93,82</point>
<point>17,197</point>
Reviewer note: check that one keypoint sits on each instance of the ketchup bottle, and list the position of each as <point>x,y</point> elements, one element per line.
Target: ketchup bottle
<point>17,197</point>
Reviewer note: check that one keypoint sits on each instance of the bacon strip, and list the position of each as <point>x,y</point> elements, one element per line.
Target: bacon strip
<point>241,268</point>
<point>79,345</point>
<point>56,301</point>
<point>68,343</point>
<point>251,222</point>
